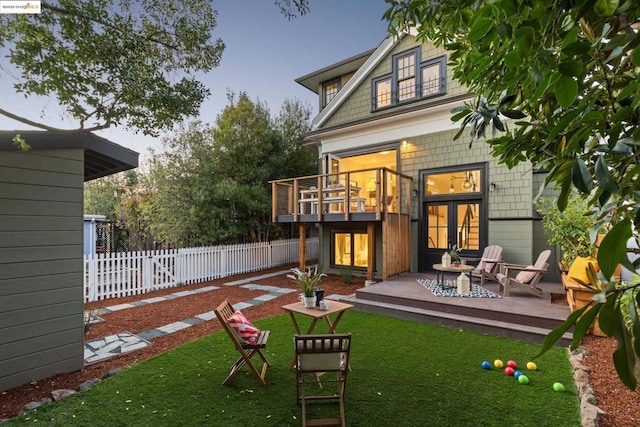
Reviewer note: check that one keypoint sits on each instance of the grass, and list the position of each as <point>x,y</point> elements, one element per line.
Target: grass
<point>404,373</point>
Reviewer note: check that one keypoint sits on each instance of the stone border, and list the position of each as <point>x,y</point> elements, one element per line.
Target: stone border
<point>588,403</point>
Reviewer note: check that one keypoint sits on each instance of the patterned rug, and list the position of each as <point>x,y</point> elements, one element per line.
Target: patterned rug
<point>450,289</point>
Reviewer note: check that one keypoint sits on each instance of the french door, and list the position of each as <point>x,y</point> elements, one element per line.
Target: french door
<point>452,223</point>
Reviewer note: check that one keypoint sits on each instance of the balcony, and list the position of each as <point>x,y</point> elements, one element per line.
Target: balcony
<point>360,195</point>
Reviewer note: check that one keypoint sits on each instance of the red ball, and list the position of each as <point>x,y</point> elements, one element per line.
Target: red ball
<point>509,371</point>
<point>512,364</point>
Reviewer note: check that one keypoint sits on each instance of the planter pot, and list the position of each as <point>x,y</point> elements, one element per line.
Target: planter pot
<point>578,296</point>
<point>308,302</point>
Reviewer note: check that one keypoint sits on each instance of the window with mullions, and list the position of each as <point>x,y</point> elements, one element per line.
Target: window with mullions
<point>329,90</point>
<point>433,78</point>
<point>406,75</point>
<point>410,80</point>
<point>350,249</point>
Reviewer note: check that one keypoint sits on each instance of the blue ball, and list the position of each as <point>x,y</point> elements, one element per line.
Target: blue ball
<point>516,374</point>
<point>486,365</point>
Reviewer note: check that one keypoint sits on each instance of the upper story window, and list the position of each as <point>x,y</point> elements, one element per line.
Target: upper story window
<point>410,80</point>
<point>329,90</point>
<point>382,90</point>
<point>406,72</point>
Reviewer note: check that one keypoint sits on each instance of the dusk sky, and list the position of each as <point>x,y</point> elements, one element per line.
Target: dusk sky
<point>264,55</point>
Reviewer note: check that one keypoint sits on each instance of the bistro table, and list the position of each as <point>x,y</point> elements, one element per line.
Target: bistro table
<point>335,307</point>
<point>441,269</point>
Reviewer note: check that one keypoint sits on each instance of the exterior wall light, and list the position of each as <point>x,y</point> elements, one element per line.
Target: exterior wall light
<point>492,187</point>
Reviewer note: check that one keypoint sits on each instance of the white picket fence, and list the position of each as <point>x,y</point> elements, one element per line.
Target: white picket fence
<point>131,273</point>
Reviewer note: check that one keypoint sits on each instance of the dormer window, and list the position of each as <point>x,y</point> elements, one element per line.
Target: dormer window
<point>329,90</point>
<point>409,80</point>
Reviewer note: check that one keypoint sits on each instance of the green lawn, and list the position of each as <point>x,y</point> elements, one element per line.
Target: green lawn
<point>404,374</point>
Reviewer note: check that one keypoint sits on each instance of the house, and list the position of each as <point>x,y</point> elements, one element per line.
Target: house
<point>93,234</point>
<point>41,247</point>
<point>396,190</point>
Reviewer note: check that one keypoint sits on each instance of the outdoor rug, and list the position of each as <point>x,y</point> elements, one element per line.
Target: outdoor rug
<point>450,289</point>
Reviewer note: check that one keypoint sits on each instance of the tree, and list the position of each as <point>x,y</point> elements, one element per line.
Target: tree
<point>115,63</point>
<point>567,73</point>
<point>210,185</point>
<point>112,63</point>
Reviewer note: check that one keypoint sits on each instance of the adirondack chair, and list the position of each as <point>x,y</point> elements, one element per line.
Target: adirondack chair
<point>225,312</point>
<point>527,276</point>
<point>322,354</point>
<point>488,264</point>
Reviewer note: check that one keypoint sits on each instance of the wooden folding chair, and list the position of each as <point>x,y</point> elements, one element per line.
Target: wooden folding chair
<point>247,351</point>
<point>315,355</point>
<point>527,277</point>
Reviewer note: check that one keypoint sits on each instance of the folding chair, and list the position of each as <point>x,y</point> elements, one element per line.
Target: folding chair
<point>224,312</point>
<point>488,264</point>
<point>527,278</point>
<point>317,354</point>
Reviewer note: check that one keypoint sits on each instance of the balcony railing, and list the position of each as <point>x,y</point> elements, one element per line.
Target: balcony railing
<point>358,195</point>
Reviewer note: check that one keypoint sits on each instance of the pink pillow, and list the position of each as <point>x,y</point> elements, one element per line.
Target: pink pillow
<point>526,276</point>
<point>244,327</point>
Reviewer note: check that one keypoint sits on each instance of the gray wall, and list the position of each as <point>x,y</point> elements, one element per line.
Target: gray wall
<point>41,284</point>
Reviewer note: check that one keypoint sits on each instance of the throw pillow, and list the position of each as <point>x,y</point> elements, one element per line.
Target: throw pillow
<point>243,327</point>
<point>526,276</point>
<point>578,270</point>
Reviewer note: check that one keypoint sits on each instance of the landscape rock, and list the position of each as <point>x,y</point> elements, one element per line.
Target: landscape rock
<point>112,372</point>
<point>34,405</point>
<point>88,384</point>
<point>61,393</point>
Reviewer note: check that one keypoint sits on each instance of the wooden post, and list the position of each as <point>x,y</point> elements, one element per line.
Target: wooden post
<point>303,247</point>
<point>371,243</point>
<point>274,202</point>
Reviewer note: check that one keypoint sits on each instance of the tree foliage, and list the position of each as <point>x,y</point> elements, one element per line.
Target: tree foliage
<point>210,185</point>
<point>566,74</point>
<point>113,63</point>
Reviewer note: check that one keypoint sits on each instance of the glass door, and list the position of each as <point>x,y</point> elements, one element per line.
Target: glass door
<point>448,224</point>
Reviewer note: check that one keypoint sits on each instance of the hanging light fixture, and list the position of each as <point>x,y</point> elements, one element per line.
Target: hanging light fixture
<point>451,187</point>
<point>467,184</point>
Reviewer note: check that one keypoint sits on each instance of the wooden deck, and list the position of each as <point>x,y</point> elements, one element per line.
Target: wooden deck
<point>519,316</point>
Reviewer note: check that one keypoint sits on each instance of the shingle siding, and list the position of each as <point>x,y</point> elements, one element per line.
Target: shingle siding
<point>358,106</point>
<point>41,284</point>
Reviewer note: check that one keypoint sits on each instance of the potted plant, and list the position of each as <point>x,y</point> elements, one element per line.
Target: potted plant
<point>570,229</point>
<point>308,281</point>
<point>454,253</point>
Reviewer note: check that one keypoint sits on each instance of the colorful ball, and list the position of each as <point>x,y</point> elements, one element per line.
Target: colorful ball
<point>486,365</point>
<point>498,363</point>
<point>509,371</point>
<point>558,387</point>
<point>512,364</point>
<point>531,366</point>
<point>523,379</point>
<point>517,374</point>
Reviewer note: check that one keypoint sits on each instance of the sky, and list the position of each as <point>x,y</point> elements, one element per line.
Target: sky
<point>264,55</point>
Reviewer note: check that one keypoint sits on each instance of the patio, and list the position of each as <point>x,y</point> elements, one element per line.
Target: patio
<point>519,316</point>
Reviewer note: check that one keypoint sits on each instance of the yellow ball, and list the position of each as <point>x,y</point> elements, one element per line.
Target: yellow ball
<point>531,366</point>
<point>498,363</point>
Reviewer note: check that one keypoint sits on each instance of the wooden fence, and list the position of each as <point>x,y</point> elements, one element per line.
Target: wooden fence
<point>131,273</point>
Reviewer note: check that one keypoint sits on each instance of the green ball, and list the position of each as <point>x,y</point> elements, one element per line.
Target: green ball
<point>558,387</point>
<point>523,379</point>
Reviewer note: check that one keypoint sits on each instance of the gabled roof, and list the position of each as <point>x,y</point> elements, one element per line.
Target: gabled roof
<point>371,62</point>
<point>101,156</point>
<point>312,80</point>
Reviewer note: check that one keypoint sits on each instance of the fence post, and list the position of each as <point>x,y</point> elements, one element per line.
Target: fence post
<point>90,278</point>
